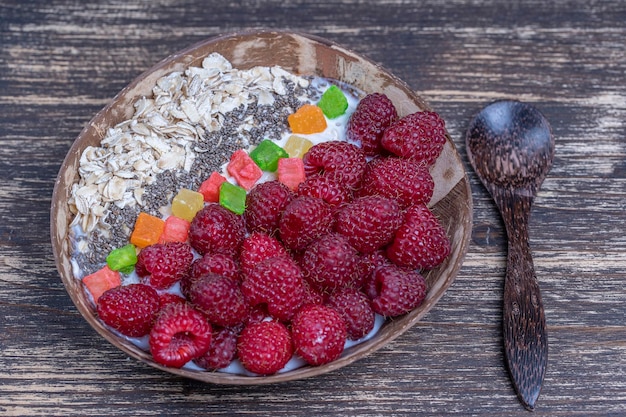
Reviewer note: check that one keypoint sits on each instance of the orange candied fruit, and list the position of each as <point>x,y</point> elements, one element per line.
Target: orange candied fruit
<point>307,119</point>
<point>147,230</point>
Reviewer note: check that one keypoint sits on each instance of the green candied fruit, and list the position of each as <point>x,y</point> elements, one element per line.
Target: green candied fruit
<point>233,197</point>
<point>267,154</point>
<point>333,102</point>
<point>123,259</point>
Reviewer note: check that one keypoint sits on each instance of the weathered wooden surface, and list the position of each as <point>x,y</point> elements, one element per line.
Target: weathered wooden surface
<point>61,61</point>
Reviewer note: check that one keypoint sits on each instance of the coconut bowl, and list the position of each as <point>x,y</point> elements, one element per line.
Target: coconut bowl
<point>303,55</point>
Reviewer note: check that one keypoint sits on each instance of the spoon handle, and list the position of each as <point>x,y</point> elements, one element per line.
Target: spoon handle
<point>524,323</point>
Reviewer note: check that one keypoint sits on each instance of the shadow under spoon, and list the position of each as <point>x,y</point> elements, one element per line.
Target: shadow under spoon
<point>511,148</point>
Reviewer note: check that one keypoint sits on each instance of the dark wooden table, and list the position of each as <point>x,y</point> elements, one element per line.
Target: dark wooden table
<point>63,60</point>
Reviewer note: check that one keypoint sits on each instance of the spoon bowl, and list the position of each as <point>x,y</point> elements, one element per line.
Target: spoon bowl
<point>510,144</point>
<point>511,147</point>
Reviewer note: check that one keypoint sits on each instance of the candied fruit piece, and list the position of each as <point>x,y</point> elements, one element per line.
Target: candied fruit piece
<point>233,198</point>
<point>244,169</point>
<point>296,146</point>
<point>147,230</point>
<point>123,259</point>
<point>307,119</point>
<point>187,203</point>
<point>333,102</point>
<point>210,188</point>
<point>175,230</point>
<point>291,172</point>
<point>101,281</point>
<point>267,154</point>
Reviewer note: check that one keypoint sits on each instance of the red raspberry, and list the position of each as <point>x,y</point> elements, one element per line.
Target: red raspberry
<point>179,335</point>
<point>311,295</point>
<point>278,283</point>
<point>319,334</point>
<point>258,247</point>
<point>369,222</point>
<point>167,298</point>
<point>368,263</point>
<point>419,136</point>
<point>405,180</point>
<point>326,188</point>
<point>220,299</point>
<point>129,309</point>
<point>395,291</point>
<point>164,263</point>
<point>374,113</point>
<point>265,348</point>
<point>264,204</point>
<point>304,220</point>
<point>421,241</point>
<point>257,314</point>
<point>216,230</point>
<point>222,350</point>
<point>354,307</point>
<point>342,161</point>
<point>330,263</point>
<point>217,263</point>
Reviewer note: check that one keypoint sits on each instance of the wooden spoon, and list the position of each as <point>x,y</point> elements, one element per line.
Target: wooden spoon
<point>511,147</point>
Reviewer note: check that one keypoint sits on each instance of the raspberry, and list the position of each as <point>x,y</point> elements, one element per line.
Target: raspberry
<point>369,222</point>
<point>342,161</point>
<point>179,335</point>
<point>256,248</point>
<point>167,298</point>
<point>319,334</point>
<point>219,298</point>
<point>264,204</point>
<point>265,348</point>
<point>278,283</point>
<point>374,113</point>
<point>326,188</point>
<point>419,136</point>
<point>330,262</point>
<point>368,263</point>
<point>163,264</point>
<point>304,220</point>
<point>395,291</point>
<point>421,241</point>
<point>405,180</point>
<point>129,309</point>
<point>311,295</point>
<point>217,263</point>
<point>257,314</point>
<point>354,307</point>
<point>216,229</point>
<point>222,350</point>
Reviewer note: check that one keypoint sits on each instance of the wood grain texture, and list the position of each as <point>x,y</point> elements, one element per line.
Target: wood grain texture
<point>62,60</point>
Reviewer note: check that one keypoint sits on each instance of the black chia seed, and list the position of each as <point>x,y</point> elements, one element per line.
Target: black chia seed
<point>211,153</point>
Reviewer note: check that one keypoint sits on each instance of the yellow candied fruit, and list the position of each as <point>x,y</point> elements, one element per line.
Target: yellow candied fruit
<point>187,203</point>
<point>297,146</point>
<point>307,119</point>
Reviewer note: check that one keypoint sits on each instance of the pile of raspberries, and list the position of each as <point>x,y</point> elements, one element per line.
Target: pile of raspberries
<point>300,272</point>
